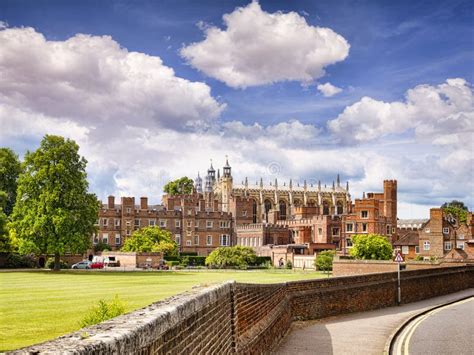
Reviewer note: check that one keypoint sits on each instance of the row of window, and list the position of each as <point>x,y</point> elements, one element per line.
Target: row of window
<point>224,240</point>
<point>163,222</point>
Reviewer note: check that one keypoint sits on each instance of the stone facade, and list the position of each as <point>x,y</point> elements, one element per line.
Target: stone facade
<point>250,318</point>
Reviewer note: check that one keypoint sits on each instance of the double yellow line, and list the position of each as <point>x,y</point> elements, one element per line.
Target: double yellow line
<point>403,340</point>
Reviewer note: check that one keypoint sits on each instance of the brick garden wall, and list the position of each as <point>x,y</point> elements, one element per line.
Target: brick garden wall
<point>250,318</point>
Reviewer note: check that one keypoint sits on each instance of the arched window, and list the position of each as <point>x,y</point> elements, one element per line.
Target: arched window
<point>325,207</point>
<point>311,203</point>
<point>268,207</point>
<point>254,212</point>
<point>339,209</point>
<point>282,209</point>
<point>297,203</point>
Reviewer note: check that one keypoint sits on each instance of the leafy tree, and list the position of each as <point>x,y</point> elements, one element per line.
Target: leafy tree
<point>101,246</point>
<point>10,168</point>
<point>179,186</point>
<point>151,239</point>
<point>457,209</point>
<point>236,256</point>
<point>5,243</point>
<point>53,209</point>
<point>323,261</point>
<point>371,247</point>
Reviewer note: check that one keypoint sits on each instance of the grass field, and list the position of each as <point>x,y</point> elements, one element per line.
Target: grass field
<point>41,305</point>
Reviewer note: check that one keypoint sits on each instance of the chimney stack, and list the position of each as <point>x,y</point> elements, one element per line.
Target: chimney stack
<point>143,203</point>
<point>111,203</point>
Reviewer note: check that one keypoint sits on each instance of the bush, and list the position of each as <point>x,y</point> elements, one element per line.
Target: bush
<point>371,247</point>
<point>418,258</point>
<point>16,261</point>
<point>323,261</point>
<point>262,260</point>
<point>197,260</point>
<point>101,246</point>
<point>50,264</point>
<point>102,311</point>
<point>189,254</point>
<point>172,263</point>
<point>289,264</point>
<point>231,257</point>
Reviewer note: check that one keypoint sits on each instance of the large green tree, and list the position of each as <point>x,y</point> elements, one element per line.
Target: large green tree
<point>457,209</point>
<point>10,168</point>
<point>371,247</point>
<point>151,239</point>
<point>179,186</point>
<point>54,210</point>
<point>5,245</point>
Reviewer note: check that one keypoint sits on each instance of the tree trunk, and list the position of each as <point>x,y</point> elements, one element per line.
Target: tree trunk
<point>57,259</point>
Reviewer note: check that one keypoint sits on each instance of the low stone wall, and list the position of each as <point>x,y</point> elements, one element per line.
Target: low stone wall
<point>250,318</point>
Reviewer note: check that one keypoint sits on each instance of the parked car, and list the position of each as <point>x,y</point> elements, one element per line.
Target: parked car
<point>97,265</point>
<point>85,264</point>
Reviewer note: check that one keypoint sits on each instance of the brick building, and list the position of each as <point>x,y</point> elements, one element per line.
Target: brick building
<point>444,237</point>
<point>196,224</point>
<point>374,213</point>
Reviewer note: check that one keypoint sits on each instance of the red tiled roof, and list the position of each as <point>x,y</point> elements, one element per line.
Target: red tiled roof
<point>409,238</point>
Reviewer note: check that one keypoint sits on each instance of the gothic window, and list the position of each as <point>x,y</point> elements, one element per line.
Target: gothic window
<point>282,210</point>
<point>312,203</point>
<point>297,203</point>
<point>325,208</point>
<point>339,207</point>
<point>254,211</point>
<point>268,207</point>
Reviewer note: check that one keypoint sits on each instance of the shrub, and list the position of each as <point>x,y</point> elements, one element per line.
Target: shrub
<point>184,261</point>
<point>197,260</point>
<point>323,261</point>
<point>101,246</point>
<point>418,258</point>
<point>172,263</point>
<point>371,247</point>
<point>231,257</point>
<point>289,264</point>
<point>62,264</point>
<point>102,311</point>
<point>16,261</point>
<point>262,260</point>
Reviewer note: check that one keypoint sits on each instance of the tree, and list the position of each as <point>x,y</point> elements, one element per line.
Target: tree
<point>10,168</point>
<point>54,210</point>
<point>371,247</point>
<point>457,209</point>
<point>151,239</point>
<point>5,244</point>
<point>236,256</point>
<point>323,261</point>
<point>179,186</point>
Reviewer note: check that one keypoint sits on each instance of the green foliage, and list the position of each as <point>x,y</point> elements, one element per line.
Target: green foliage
<point>172,263</point>
<point>103,311</point>
<point>371,247</point>
<point>418,258</point>
<point>262,260</point>
<point>179,186</point>
<point>16,261</point>
<point>457,209</point>
<point>323,261</point>
<point>50,264</point>
<point>5,241</point>
<point>228,257</point>
<point>10,168</point>
<point>53,207</point>
<point>289,264</point>
<point>101,246</point>
<point>151,239</point>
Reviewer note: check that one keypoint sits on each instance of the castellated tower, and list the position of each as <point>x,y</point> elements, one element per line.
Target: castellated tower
<point>226,186</point>
<point>390,200</point>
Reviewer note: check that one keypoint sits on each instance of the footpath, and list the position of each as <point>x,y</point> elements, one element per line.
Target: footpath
<point>356,333</point>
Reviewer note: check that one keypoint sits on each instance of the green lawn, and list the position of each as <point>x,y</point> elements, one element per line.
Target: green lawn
<point>40,305</point>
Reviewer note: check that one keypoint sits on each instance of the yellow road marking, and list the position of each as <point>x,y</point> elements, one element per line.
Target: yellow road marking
<point>404,340</point>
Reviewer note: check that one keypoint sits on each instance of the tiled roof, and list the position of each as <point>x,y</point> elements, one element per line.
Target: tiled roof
<point>409,238</point>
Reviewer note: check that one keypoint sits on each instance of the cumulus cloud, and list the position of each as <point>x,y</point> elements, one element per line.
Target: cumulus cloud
<point>328,90</point>
<point>258,48</point>
<point>442,113</point>
<point>92,78</point>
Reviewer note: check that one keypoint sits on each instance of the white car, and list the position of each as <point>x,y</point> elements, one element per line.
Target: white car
<point>85,264</point>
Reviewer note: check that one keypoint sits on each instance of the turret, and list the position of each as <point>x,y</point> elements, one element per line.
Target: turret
<point>198,184</point>
<point>227,168</point>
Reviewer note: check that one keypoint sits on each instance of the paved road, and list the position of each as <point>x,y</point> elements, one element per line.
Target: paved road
<point>443,331</point>
<point>358,333</point>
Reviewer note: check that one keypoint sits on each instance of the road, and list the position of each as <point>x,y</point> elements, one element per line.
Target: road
<point>446,330</point>
<point>364,333</point>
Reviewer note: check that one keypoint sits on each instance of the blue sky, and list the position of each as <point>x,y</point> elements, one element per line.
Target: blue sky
<point>377,50</point>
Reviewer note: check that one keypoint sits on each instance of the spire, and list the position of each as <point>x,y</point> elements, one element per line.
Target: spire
<point>227,169</point>
<point>246,183</point>
<point>218,174</point>
<point>319,185</point>
<point>333,186</point>
<point>347,186</point>
<point>304,184</point>
<point>276,183</point>
<point>338,180</point>
<point>363,194</point>
<point>261,183</point>
<point>291,184</point>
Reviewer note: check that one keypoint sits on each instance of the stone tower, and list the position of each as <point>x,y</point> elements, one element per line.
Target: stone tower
<point>226,186</point>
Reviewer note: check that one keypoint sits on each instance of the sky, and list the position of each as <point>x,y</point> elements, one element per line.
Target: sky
<point>153,90</point>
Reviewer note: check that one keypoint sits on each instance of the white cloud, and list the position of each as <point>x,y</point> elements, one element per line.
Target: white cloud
<point>442,113</point>
<point>258,48</point>
<point>328,89</point>
<point>91,78</point>
<point>3,25</point>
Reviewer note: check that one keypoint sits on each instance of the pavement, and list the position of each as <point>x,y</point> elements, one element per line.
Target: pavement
<point>357,333</point>
<point>442,331</point>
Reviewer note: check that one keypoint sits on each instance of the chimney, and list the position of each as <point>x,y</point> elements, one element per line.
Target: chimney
<point>143,203</point>
<point>111,203</point>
